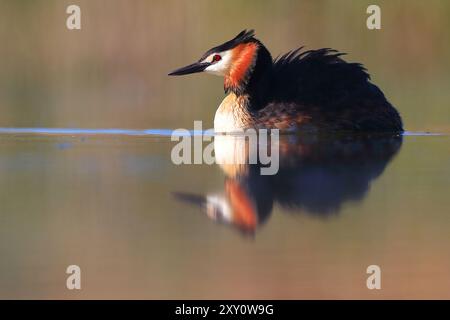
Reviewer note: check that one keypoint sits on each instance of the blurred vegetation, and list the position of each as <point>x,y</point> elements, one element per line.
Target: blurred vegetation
<point>112,73</point>
<point>106,203</point>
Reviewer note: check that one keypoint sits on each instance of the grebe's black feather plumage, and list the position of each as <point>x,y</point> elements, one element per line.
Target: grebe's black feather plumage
<point>316,75</point>
<point>336,93</point>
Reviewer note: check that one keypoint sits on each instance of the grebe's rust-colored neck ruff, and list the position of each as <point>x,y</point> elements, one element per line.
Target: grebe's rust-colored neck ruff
<point>244,212</point>
<point>243,61</point>
<point>302,90</point>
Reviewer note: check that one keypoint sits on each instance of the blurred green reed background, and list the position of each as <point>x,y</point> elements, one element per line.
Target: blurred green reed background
<point>113,72</point>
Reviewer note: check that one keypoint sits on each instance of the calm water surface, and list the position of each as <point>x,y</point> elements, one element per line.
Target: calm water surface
<point>141,227</point>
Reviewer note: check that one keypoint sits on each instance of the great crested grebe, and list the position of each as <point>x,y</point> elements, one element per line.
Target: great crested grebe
<point>313,90</point>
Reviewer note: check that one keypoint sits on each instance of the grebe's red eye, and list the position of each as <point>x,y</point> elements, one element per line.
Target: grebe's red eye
<point>216,58</point>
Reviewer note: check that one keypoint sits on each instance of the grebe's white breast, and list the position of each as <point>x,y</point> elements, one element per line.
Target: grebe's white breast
<point>231,116</point>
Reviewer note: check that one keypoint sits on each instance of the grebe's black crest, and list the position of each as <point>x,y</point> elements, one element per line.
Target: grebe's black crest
<point>243,37</point>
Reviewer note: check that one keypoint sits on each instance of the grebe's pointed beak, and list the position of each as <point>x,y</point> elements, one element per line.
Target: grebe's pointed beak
<point>195,199</point>
<point>192,68</point>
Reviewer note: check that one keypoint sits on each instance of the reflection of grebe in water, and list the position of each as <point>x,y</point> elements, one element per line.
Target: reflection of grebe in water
<point>316,176</point>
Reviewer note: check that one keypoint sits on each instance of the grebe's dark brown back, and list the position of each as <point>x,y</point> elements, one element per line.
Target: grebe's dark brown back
<point>313,90</point>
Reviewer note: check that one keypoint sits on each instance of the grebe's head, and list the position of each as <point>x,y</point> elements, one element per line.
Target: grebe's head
<point>236,207</point>
<point>235,60</point>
